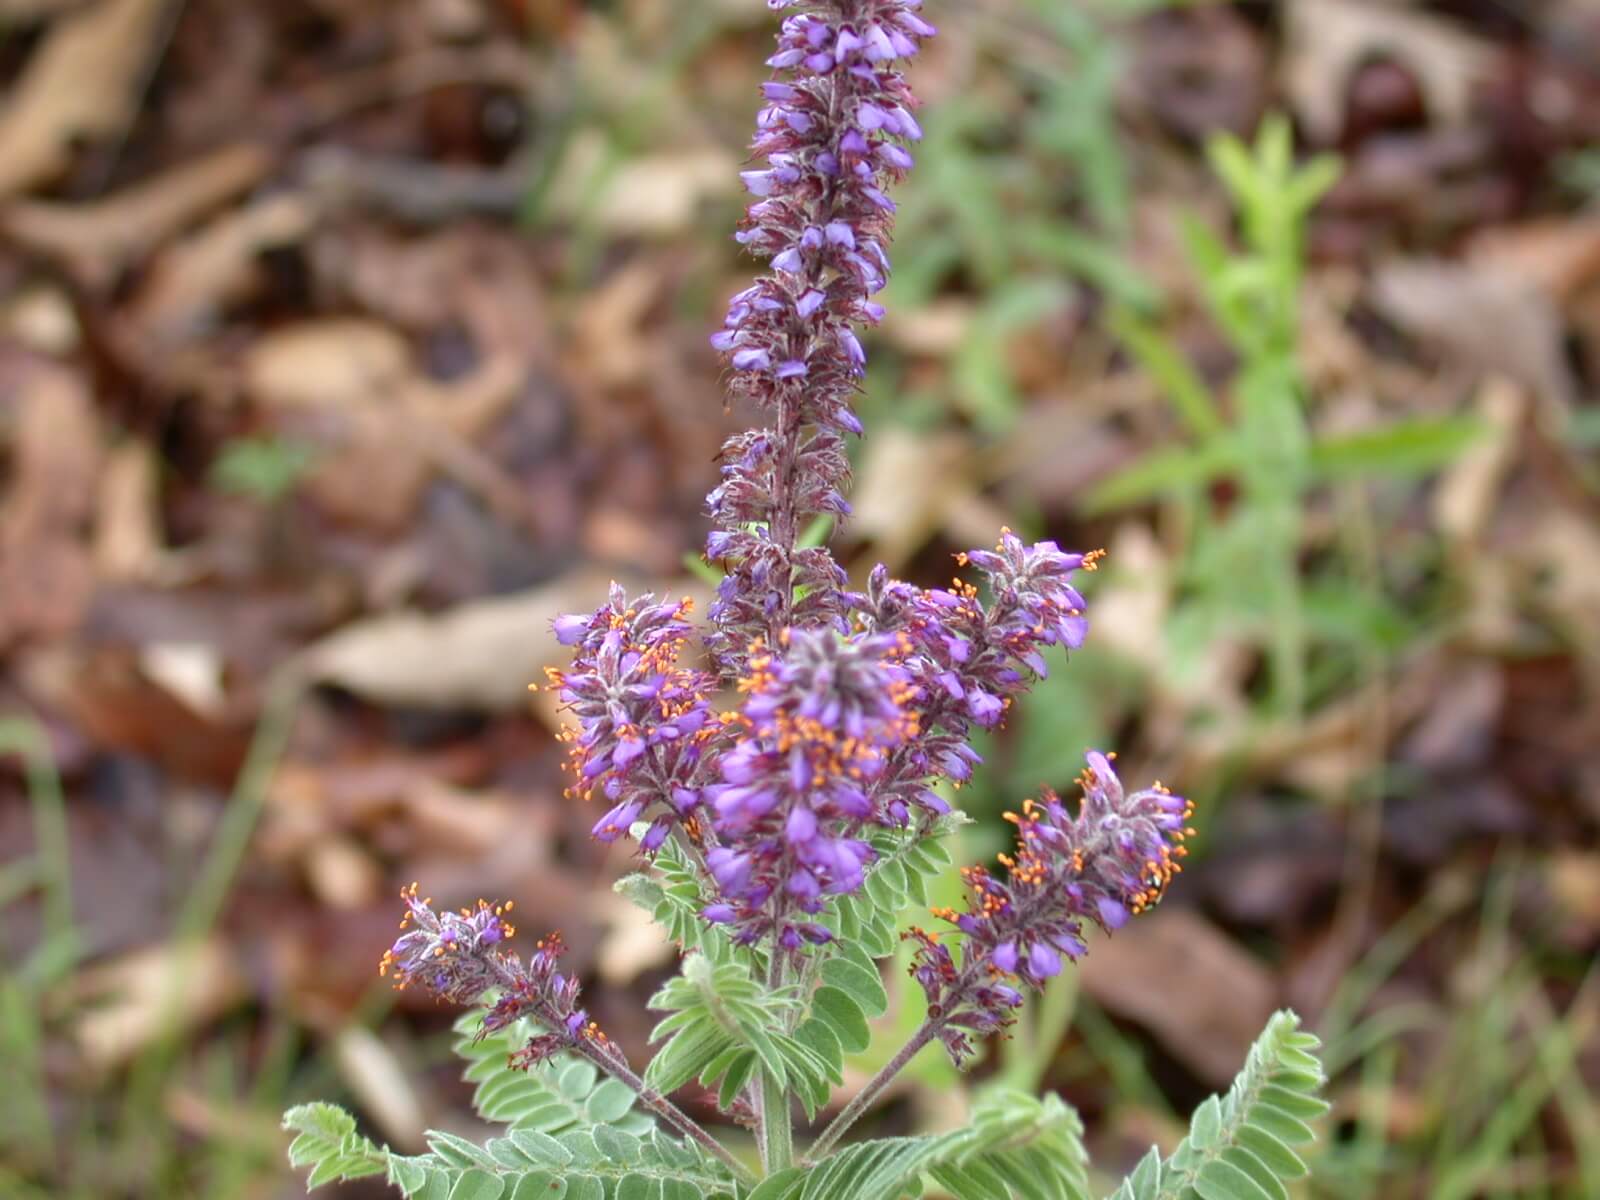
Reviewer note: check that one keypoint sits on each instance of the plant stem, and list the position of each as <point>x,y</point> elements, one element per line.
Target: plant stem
<point>777,1133</point>
<point>864,1098</point>
<point>663,1108</point>
<point>776,1128</point>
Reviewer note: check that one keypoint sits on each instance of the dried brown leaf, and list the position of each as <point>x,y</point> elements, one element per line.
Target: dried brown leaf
<point>46,573</point>
<point>382,1085</point>
<point>136,995</point>
<point>128,544</point>
<point>80,83</point>
<point>1558,255</point>
<point>1487,318</point>
<point>1469,490</point>
<point>1227,994</point>
<point>479,656</point>
<point>191,282</point>
<point>100,238</point>
<point>1328,40</point>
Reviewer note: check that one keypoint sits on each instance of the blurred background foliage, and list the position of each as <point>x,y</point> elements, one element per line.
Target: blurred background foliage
<point>344,342</point>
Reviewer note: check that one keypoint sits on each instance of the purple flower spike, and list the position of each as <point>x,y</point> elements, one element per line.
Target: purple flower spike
<point>822,218</point>
<point>817,726</point>
<point>643,723</point>
<point>1111,861</point>
<point>460,955</point>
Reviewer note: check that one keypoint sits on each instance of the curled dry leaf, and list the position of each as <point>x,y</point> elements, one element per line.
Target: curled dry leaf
<point>190,672</point>
<point>128,542</point>
<point>189,285</point>
<point>352,388</point>
<point>1328,40</point>
<point>1467,493</point>
<point>80,83</point>
<point>108,696</point>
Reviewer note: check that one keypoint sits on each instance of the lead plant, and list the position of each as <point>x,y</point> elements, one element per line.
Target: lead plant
<point>784,797</point>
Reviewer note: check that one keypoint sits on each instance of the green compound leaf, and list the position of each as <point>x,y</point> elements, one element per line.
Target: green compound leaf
<point>564,1093</point>
<point>1017,1148</point>
<point>1240,1146</point>
<point>898,878</point>
<point>602,1164</point>
<point>572,1135</point>
<point>328,1143</point>
<point>723,1025</point>
<point>670,893</point>
<point>843,1016</point>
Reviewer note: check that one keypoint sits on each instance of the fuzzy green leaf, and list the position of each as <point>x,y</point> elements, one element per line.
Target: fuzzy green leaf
<point>1240,1145</point>
<point>1017,1148</point>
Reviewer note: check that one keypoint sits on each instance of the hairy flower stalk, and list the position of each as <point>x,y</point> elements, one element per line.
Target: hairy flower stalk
<point>462,955</point>
<point>832,138</point>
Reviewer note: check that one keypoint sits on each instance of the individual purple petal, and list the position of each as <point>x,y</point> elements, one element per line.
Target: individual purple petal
<point>570,628</point>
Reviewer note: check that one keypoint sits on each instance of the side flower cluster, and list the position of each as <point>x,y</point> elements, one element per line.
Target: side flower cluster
<point>832,133</point>
<point>971,659</point>
<point>1111,861</point>
<point>815,731</point>
<point>643,721</point>
<point>461,955</point>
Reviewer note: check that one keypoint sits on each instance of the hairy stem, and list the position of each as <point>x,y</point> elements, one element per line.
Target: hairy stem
<point>864,1098</point>
<point>663,1108</point>
<point>776,1128</point>
<point>777,1133</point>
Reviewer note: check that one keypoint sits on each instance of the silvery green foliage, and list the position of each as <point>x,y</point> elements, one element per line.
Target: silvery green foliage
<point>569,1134</point>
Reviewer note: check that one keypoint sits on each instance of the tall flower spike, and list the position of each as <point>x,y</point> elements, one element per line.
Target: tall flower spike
<point>1111,861</point>
<point>643,721</point>
<point>461,955</point>
<point>793,806</point>
<point>833,136</point>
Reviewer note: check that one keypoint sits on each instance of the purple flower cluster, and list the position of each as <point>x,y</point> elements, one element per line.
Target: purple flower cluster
<point>461,955</point>
<point>831,133</point>
<point>972,658</point>
<point>643,720</point>
<point>1111,861</point>
<point>816,728</point>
